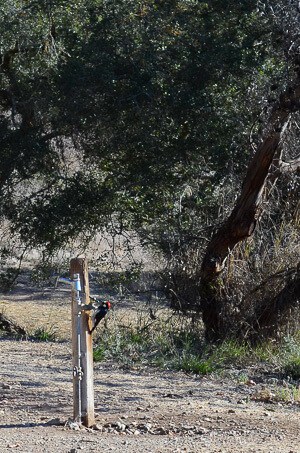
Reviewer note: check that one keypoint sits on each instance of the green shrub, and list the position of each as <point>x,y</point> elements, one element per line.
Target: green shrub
<point>292,368</point>
<point>230,352</point>
<point>99,354</point>
<point>42,334</point>
<point>177,343</point>
<point>195,364</point>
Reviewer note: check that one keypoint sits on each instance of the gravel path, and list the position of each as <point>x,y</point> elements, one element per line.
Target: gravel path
<point>136,411</point>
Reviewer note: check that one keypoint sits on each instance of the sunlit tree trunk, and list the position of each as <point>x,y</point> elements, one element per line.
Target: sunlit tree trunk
<point>243,219</point>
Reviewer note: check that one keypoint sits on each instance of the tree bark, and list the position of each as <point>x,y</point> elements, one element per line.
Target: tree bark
<point>243,219</point>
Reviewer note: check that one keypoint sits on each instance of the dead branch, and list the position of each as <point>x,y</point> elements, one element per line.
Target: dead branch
<point>9,326</point>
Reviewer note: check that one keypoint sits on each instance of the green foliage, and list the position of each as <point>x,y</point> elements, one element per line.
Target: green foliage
<point>172,343</point>
<point>283,356</point>
<point>99,353</point>
<point>292,367</point>
<point>290,394</point>
<point>265,352</point>
<point>42,273</point>
<point>43,334</point>
<point>122,280</point>
<point>195,364</point>
<point>177,343</point>
<point>290,357</point>
<point>7,278</point>
<point>130,116</point>
<point>229,352</point>
<point>143,97</point>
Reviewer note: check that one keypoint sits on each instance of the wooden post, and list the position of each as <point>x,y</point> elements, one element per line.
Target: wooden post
<point>83,385</point>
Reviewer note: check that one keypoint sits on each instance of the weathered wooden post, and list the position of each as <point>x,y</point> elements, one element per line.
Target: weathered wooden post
<point>82,346</point>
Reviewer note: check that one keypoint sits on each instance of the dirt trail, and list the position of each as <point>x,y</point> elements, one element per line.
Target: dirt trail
<point>185,414</point>
<point>136,410</point>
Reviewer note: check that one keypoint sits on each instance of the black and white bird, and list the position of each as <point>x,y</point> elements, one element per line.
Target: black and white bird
<point>100,313</point>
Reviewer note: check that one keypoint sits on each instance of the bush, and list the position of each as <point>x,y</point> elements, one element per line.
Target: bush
<point>43,334</point>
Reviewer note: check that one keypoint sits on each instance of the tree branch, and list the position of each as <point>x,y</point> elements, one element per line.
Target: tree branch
<point>283,168</point>
<point>291,166</point>
<point>242,221</point>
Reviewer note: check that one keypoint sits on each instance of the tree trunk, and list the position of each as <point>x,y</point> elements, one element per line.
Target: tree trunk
<point>242,221</point>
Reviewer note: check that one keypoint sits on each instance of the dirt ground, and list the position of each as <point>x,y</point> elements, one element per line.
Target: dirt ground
<point>136,410</point>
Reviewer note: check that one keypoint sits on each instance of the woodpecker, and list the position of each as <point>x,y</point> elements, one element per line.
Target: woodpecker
<point>100,313</point>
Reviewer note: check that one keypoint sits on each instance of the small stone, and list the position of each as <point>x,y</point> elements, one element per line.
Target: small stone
<point>72,425</point>
<point>162,431</point>
<point>121,426</point>
<point>54,422</point>
<point>147,426</point>
<point>264,394</point>
<point>98,427</point>
<point>201,431</point>
<point>188,427</point>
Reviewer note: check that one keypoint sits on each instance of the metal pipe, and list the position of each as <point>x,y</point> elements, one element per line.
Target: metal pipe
<point>77,370</point>
<point>77,287</point>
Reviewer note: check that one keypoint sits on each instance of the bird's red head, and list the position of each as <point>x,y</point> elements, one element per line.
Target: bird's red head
<point>108,304</point>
